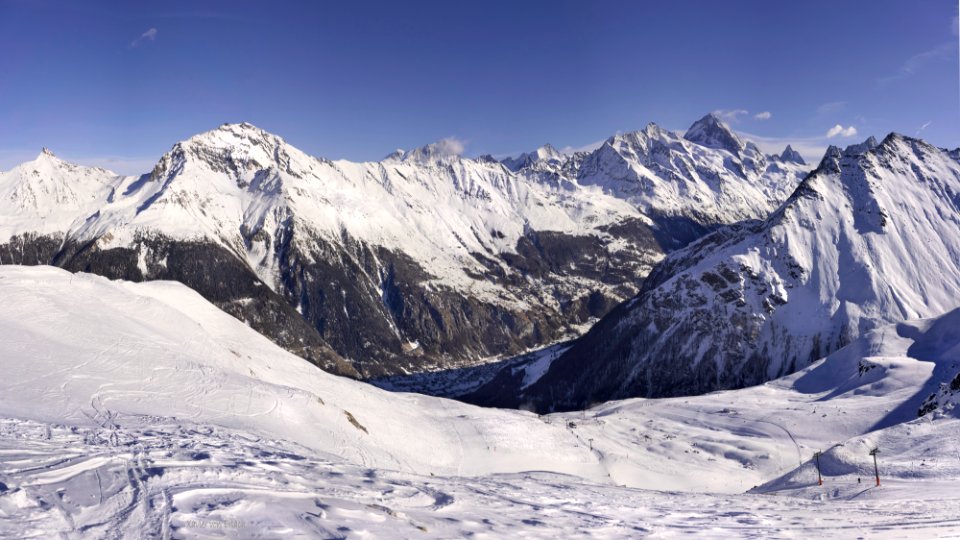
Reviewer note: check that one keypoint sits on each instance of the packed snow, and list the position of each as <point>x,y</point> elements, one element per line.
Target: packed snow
<point>140,409</point>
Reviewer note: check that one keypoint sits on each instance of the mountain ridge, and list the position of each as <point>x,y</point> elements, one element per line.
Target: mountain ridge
<point>424,259</point>
<point>849,250</point>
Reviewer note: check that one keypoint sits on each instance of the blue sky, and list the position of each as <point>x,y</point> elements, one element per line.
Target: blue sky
<point>117,83</point>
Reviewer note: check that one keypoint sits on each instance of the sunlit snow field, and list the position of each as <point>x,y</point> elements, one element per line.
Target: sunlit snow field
<point>140,410</point>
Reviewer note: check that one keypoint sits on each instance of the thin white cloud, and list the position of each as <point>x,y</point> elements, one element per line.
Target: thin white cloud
<point>451,146</point>
<point>149,35</point>
<point>585,148</point>
<point>924,126</point>
<point>732,115</point>
<point>918,62</point>
<point>811,148</point>
<point>831,107</point>
<point>840,131</point>
<point>765,115</point>
<point>124,165</point>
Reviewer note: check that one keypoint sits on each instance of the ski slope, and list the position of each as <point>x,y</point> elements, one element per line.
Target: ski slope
<point>130,409</point>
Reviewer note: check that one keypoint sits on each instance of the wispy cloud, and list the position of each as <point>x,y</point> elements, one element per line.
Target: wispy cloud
<point>943,52</point>
<point>585,148</point>
<point>840,131</point>
<point>924,126</point>
<point>124,165</point>
<point>811,148</point>
<point>451,146</point>
<point>917,62</point>
<point>831,107</point>
<point>732,115</point>
<point>590,147</point>
<point>149,35</point>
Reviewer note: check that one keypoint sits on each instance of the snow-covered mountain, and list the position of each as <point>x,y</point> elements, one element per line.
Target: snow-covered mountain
<point>425,259</point>
<point>140,409</point>
<point>872,236</point>
<point>49,196</point>
<point>791,155</point>
<point>711,132</point>
<point>545,154</point>
<point>691,183</point>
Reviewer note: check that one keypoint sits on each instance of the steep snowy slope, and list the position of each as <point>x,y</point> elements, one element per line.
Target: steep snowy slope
<point>423,260</point>
<point>82,350</point>
<point>872,236</point>
<point>140,408</point>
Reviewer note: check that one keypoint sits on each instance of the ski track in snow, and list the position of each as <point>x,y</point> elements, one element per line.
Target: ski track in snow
<point>127,412</point>
<point>155,477</point>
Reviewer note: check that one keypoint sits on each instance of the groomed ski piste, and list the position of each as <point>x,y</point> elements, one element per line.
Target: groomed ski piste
<point>141,410</point>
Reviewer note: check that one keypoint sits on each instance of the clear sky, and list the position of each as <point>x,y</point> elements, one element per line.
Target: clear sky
<point>117,83</point>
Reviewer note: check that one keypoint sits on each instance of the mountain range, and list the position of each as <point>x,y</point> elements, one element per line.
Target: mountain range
<point>870,237</point>
<point>423,260</point>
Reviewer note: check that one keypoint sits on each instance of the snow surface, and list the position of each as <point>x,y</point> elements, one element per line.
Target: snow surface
<point>131,409</point>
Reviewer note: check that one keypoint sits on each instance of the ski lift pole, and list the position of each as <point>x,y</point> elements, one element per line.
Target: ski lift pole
<point>876,471</point>
<point>816,456</point>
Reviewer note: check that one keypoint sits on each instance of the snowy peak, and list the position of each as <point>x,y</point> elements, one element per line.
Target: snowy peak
<point>638,146</point>
<point>545,154</point>
<point>396,155</point>
<point>242,140</point>
<point>448,149</point>
<point>711,132</point>
<point>865,146</point>
<point>547,151</point>
<point>47,161</point>
<point>641,140</point>
<point>239,150</point>
<point>696,176</point>
<point>792,156</point>
<point>48,194</point>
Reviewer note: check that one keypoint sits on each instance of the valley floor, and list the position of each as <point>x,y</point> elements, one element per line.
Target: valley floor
<point>140,476</point>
